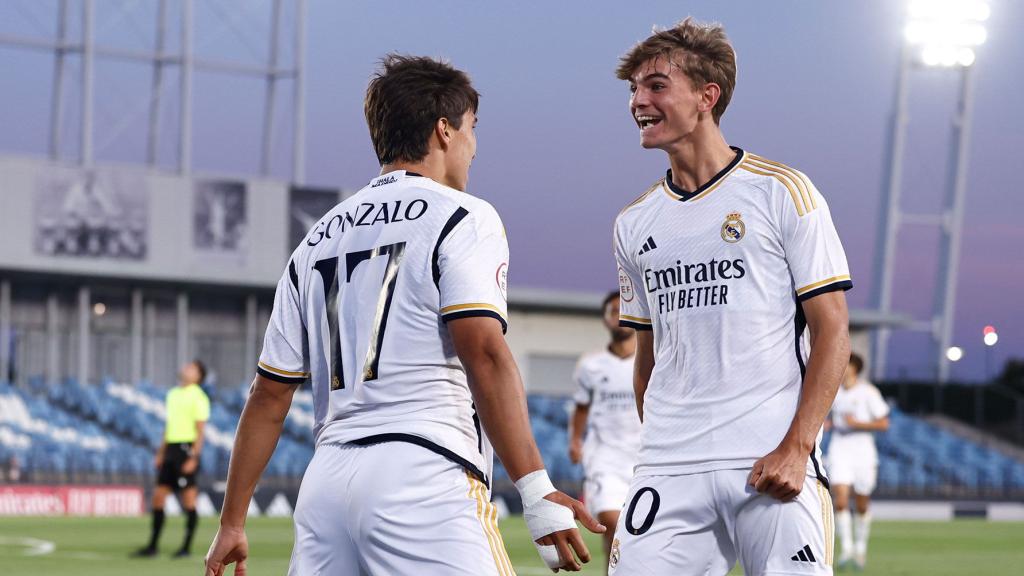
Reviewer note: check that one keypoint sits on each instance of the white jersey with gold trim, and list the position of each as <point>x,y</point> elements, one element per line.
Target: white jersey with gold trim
<point>604,383</point>
<point>361,311</point>
<point>718,274</point>
<point>864,403</point>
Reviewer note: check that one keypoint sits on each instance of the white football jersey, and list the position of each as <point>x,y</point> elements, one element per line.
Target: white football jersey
<point>718,274</point>
<point>361,310</point>
<point>864,403</point>
<point>604,382</point>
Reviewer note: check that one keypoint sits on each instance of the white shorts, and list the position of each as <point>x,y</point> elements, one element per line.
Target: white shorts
<point>605,491</point>
<point>860,473</point>
<point>393,508</point>
<point>701,524</point>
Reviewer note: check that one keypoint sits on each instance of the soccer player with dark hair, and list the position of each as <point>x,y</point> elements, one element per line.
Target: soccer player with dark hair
<point>177,459</point>
<point>605,414</point>
<point>393,306</point>
<point>858,413</point>
<point>723,265</point>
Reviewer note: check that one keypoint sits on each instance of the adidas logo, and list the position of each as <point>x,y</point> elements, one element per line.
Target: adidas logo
<point>648,246</point>
<point>804,555</point>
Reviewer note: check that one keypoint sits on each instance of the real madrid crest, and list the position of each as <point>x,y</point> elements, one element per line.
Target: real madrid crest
<point>613,556</point>
<point>733,229</point>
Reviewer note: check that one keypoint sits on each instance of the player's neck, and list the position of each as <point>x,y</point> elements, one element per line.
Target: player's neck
<point>431,166</point>
<point>623,348</point>
<point>699,157</point>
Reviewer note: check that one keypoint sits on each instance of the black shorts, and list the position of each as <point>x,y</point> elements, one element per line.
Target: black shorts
<point>170,473</point>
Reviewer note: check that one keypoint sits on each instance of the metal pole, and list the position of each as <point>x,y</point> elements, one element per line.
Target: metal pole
<point>949,254</point>
<point>889,219</point>
<point>250,333</point>
<point>182,329</point>
<point>5,330</point>
<point>57,104</point>
<point>87,82</point>
<point>268,111</point>
<point>150,334</point>
<point>158,84</point>
<point>299,98</point>
<point>136,336</point>
<point>185,134</point>
<point>53,355</point>
<point>84,334</point>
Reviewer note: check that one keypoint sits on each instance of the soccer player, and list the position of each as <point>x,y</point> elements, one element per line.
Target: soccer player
<point>177,459</point>
<point>394,307</point>
<point>723,263</point>
<point>859,411</point>
<point>606,410</point>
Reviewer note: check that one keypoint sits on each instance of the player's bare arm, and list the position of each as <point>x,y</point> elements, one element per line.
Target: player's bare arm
<point>642,367</point>
<point>877,425</point>
<point>780,474</point>
<point>192,463</point>
<point>577,424</point>
<point>498,394</point>
<point>259,429</point>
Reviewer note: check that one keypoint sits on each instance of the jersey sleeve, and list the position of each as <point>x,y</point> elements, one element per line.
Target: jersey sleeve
<point>633,309</point>
<point>471,266</point>
<point>813,250</point>
<point>285,357</point>
<point>877,406</point>
<point>584,394</point>
<point>202,408</point>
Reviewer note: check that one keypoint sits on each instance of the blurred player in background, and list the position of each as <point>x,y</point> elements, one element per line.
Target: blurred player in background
<point>858,412</point>
<point>606,411</point>
<point>394,307</point>
<point>177,459</point>
<point>723,263</point>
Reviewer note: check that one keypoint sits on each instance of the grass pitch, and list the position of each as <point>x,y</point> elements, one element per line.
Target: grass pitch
<point>93,547</point>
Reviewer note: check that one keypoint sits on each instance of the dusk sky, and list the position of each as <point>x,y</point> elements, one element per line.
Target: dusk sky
<point>558,153</point>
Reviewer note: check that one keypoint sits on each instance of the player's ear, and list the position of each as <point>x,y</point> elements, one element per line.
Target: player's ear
<point>443,131</point>
<point>709,97</point>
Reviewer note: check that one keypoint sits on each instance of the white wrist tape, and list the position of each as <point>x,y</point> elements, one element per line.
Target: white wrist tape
<point>543,516</point>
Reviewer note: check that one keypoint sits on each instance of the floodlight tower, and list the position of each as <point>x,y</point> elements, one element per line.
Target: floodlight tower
<point>943,34</point>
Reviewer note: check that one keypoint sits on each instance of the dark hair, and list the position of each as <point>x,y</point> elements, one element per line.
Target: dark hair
<point>202,370</point>
<point>857,362</point>
<point>611,297</point>
<point>405,99</point>
<point>701,51</point>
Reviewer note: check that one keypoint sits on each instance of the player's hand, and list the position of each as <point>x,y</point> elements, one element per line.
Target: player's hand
<point>229,546</point>
<point>852,422</point>
<point>158,461</point>
<point>780,474</point>
<point>572,552</point>
<point>575,450</point>
<point>190,465</point>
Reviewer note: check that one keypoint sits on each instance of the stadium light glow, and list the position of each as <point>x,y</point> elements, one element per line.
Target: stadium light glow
<point>991,338</point>
<point>954,353</point>
<point>946,32</point>
<point>99,308</point>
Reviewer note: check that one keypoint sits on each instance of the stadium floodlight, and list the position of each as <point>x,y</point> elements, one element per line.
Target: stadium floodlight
<point>99,308</point>
<point>991,338</point>
<point>946,32</point>
<point>954,353</point>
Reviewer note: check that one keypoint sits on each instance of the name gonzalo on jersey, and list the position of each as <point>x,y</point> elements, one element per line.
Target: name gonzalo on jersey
<point>368,214</point>
<point>665,281</point>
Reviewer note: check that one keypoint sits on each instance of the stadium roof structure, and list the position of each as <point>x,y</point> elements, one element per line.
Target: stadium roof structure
<point>588,303</point>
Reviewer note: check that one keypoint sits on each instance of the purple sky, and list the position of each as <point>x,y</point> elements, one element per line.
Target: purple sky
<point>558,154</point>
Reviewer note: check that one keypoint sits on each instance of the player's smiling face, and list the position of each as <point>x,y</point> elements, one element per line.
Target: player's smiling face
<point>664,104</point>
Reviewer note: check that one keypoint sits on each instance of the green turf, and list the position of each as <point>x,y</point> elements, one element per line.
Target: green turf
<point>87,547</point>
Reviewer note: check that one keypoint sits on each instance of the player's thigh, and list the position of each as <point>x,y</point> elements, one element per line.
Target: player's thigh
<point>841,495</point>
<point>322,516</point>
<point>670,526</point>
<point>421,513</point>
<point>795,537</point>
